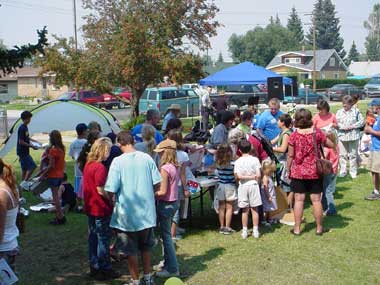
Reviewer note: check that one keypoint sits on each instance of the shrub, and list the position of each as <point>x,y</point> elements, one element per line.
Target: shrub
<point>128,125</point>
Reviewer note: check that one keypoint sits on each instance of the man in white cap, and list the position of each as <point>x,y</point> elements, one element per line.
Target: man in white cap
<point>174,111</point>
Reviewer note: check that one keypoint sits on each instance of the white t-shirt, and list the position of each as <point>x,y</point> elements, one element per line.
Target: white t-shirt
<point>182,157</point>
<point>247,165</point>
<point>75,149</point>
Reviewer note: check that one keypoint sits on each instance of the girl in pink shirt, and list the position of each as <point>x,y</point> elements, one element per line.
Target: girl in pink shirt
<point>329,181</point>
<point>324,119</point>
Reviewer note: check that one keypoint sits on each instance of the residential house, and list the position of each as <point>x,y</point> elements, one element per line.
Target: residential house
<point>27,82</point>
<point>328,64</point>
<point>364,68</point>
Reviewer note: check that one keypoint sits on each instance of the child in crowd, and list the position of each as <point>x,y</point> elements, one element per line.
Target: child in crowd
<point>226,190</point>
<point>67,194</point>
<point>247,173</point>
<point>329,181</point>
<point>268,193</point>
<point>167,197</point>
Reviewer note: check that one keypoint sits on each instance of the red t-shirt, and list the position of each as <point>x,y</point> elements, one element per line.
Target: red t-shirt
<point>59,162</point>
<point>95,175</point>
<point>304,165</point>
<point>261,154</point>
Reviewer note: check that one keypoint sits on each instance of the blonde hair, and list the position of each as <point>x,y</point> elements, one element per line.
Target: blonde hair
<point>169,156</point>
<point>7,174</point>
<point>223,155</point>
<point>268,167</point>
<point>147,134</point>
<point>99,150</point>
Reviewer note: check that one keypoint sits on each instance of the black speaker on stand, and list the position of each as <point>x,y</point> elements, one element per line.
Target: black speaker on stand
<point>275,88</point>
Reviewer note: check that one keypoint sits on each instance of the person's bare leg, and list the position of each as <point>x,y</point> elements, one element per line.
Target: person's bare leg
<point>222,213</point>
<point>298,211</point>
<point>317,210</point>
<point>255,216</point>
<point>229,210</point>
<point>244,217</point>
<point>376,180</point>
<point>290,200</point>
<point>146,259</point>
<point>57,203</point>
<point>133,267</point>
<point>174,230</point>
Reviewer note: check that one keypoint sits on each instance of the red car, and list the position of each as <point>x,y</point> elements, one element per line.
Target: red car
<point>86,96</point>
<point>110,100</point>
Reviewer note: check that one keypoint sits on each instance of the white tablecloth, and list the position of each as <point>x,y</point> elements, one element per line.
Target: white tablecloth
<point>206,182</point>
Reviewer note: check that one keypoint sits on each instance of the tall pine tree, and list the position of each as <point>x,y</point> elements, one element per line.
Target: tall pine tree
<point>327,28</point>
<point>294,25</point>
<point>353,55</point>
<point>372,43</point>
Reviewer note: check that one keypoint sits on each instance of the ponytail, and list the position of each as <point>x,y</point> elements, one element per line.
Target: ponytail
<point>8,176</point>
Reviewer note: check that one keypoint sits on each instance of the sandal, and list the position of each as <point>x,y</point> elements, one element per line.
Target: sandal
<point>322,232</point>
<point>295,233</point>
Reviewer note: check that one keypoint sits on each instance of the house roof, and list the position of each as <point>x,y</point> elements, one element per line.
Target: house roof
<point>323,55</point>
<point>364,68</point>
<point>26,71</point>
<point>8,77</point>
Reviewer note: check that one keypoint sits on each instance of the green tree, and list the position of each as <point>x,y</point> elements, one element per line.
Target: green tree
<point>135,43</point>
<point>2,45</point>
<point>372,43</point>
<point>294,25</point>
<point>220,58</point>
<point>10,59</point>
<point>327,28</point>
<point>353,55</point>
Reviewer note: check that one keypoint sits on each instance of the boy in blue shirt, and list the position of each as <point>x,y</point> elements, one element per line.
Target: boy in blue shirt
<point>374,155</point>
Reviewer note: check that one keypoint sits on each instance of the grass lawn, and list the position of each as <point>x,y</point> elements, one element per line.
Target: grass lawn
<point>349,254</point>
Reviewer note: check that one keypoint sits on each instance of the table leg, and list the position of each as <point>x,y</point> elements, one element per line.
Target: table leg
<point>190,213</point>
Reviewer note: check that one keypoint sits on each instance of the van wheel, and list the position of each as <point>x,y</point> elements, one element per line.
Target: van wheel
<point>121,105</point>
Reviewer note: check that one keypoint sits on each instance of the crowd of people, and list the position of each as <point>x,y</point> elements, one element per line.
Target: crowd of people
<point>134,181</point>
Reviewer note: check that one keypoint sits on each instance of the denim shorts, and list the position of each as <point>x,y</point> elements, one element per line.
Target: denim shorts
<point>54,182</point>
<point>27,163</point>
<point>140,241</point>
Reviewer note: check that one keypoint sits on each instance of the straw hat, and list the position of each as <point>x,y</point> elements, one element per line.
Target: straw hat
<point>166,144</point>
<point>175,107</point>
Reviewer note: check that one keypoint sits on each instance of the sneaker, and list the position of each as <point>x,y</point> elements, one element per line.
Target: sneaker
<point>107,274</point>
<point>228,231</point>
<point>342,174</point>
<point>159,266</point>
<point>354,176</point>
<point>244,234</point>
<point>180,230</point>
<point>373,197</point>
<point>221,230</point>
<point>58,222</point>
<point>166,274</point>
<point>177,238</point>
<point>143,281</point>
<point>256,234</point>
<point>24,212</point>
<point>266,224</point>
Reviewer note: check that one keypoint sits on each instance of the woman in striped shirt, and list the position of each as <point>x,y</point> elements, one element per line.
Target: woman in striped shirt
<point>226,190</point>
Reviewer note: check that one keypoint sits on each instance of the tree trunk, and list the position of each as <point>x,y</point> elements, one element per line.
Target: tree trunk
<point>136,95</point>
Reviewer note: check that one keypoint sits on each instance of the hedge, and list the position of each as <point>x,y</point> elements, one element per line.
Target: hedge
<point>327,83</point>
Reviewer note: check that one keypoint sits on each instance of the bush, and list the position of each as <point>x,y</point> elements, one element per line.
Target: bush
<point>328,83</point>
<point>133,122</point>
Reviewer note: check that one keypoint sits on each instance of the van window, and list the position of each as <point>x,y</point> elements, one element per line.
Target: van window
<point>144,95</point>
<point>87,94</point>
<point>153,95</point>
<point>191,93</point>
<point>181,94</point>
<point>170,94</point>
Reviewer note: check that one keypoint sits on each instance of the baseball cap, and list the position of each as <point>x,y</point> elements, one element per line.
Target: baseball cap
<point>166,144</point>
<point>375,102</point>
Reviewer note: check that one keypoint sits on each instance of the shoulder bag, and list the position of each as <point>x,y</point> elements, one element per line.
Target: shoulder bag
<point>324,166</point>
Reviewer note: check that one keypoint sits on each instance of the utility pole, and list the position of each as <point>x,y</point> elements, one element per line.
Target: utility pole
<point>75,25</point>
<point>314,55</point>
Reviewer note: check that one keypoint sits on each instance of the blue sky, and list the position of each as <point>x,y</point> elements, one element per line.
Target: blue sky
<point>21,18</point>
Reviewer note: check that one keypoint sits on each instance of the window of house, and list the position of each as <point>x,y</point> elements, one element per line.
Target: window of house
<point>293,60</point>
<point>3,88</point>
<point>336,75</point>
<point>332,61</point>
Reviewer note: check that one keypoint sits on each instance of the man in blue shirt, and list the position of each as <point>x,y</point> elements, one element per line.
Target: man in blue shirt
<point>174,112</point>
<point>267,124</point>
<point>23,144</point>
<point>374,155</point>
<point>152,118</point>
<point>133,178</point>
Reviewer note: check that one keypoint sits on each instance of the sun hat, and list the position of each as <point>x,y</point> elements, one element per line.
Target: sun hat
<point>375,102</point>
<point>175,107</point>
<point>166,144</point>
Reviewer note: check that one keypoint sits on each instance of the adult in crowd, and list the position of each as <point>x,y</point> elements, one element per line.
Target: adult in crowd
<point>252,107</point>
<point>246,122</point>
<point>219,104</point>
<point>94,126</point>
<point>132,179</point>
<point>148,144</point>
<point>350,121</point>
<point>23,144</point>
<point>152,118</point>
<point>173,124</point>
<point>267,124</point>
<point>74,151</point>
<point>220,133</point>
<point>205,106</point>
<point>302,168</point>
<point>374,158</point>
<point>98,207</point>
<point>8,214</point>
<point>173,112</point>
<point>115,151</point>
<point>324,119</point>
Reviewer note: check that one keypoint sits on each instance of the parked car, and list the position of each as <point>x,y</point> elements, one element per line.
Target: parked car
<point>239,94</point>
<point>372,88</point>
<point>111,101</point>
<point>312,98</point>
<point>161,98</point>
<point>86,96</point>
<point>339,90</point>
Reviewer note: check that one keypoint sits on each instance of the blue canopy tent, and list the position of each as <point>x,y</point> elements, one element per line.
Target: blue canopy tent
<point>245,73</point>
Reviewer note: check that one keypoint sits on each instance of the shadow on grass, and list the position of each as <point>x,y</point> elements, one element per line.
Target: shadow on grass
<point>330,222</point>
<point>191,265</point>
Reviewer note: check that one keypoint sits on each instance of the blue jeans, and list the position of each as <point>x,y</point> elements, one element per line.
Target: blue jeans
<point>165,213</point>
<point>329,185</point>
<point>99,238</point>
